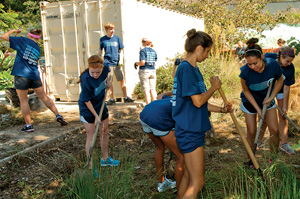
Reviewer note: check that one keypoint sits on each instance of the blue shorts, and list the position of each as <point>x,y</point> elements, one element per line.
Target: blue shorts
<point>248,108</point>
<point>91,119</point>
<point>147,129</point>
<point>189,141</point>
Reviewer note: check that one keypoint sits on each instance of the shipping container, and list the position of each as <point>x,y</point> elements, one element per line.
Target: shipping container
<point>72,30</point>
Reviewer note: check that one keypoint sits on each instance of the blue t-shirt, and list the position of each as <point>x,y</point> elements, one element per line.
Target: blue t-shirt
<point>28,53</point>
<point>150,57</point>
<point>258,83</point>
<point>158,114</point>
<point>92,90</point>
<point>240,52</point>
<point>189,81</point>
<point>111,46</point>
<point>288,72</point>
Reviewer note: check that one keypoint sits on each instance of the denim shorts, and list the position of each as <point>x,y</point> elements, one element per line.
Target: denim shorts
<point>248,108</point>
<point>147,129</point>
<point>23,83</point>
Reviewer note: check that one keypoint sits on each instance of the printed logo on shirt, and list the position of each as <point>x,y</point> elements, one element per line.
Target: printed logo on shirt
<point>261,86</point>
<point>31,55</point>
<point>203,88</point>
<point>150,57</point>
<point>174,92</point>
<point>100,88</point>
<point>114,44</point>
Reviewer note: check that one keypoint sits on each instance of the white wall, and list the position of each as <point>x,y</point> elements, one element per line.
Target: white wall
<point>166,29</point>
<point>70,40</point>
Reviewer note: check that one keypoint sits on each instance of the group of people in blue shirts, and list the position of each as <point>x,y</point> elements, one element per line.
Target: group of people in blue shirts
<point>179,119</point>
<point>186,109</point>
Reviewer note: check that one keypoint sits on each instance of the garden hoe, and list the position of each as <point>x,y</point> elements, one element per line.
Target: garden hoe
<point>261,120</point>
<point>242,134</point>
<point>96,128</point>
<point>287,117</point>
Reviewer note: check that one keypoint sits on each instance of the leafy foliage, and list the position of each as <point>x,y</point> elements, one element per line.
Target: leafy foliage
<point>295,43</point>
<point>8,19</point>
<point>6,79</point>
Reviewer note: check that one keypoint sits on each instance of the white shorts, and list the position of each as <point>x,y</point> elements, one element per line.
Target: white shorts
<point>147,129</point>
<point>148,79</point>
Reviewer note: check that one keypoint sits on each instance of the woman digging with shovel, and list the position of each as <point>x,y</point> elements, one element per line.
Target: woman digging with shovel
<point>256,77</point>
<point>190,111</point>
<point>26,73</point>
<point>94,83</point>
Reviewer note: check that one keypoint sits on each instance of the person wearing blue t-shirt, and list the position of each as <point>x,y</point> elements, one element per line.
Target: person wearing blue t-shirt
<point>284,57</point>
<point>240,51</point>
<point>147,72</point>
<point>190,111</point>
<point>157,122</point>
<point>256,76</point>
<point>93,82</point>
<point>176,63</point>
<point>112,46</point>
<point>26,73</point>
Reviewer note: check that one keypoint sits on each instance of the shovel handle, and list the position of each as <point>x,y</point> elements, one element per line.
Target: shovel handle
<point>241,132</point>
<point>287,117</point>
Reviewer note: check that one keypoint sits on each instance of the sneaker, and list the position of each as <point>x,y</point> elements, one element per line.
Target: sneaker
<point>109,162</point>
<point>95,174</point>
<point>260,144</point>
<point>287,148</point>
<point>167,184</point>
<point>111,102</point>
<point>128,99</point>
<point>27,128</point>
<point>61,120</point>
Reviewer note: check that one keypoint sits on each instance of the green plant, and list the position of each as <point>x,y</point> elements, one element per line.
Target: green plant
<point>295,43</point>
<point>6,79</point>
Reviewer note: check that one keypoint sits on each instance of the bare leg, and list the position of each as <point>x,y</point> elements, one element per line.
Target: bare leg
<point>159,156</point>
<point>272,122</point>
<point>153,94</point>
<point>123,87</point>
<point>283,124</point>
<point>111,89</point>
<point>170,141</point>
<point>104,138</point>
<point>147,97</point>
<point>251,128</point>
<point>194,162</point>
<point>89,129</point>
<point>47,101</point>
<point>23,97</point>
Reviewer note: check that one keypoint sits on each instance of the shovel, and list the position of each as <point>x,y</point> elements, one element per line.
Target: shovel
<point>96,129</point>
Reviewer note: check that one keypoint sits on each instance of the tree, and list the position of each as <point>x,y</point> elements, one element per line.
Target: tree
<point>8,20</point>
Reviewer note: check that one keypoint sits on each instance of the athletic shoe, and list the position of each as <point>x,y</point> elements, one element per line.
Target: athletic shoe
<point>287,148</point>
<point>111,102</point>
<point>173,183</point>
<point>167,184</point>
<point>128,99</point>
<point>260,144</point>
<point>109,162</point>
<point>95,174</point>
<point>27,128</point>
<point>61,120</point>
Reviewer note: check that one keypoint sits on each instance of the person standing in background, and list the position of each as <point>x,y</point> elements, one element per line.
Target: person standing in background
<point>147,72</point>
<point>112,46</point>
